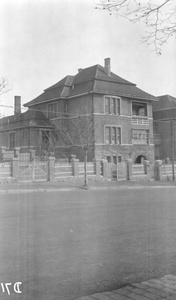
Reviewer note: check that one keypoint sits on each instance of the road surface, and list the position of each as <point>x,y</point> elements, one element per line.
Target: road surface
<point>62,245</point>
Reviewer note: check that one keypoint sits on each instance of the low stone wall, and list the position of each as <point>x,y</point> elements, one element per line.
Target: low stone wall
<point>164,172</point>
<point>96,171</point>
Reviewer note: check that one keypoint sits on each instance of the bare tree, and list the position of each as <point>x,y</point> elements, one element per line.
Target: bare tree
<point>3,90</point>
<point>77,134</point>
<point>158,16</point>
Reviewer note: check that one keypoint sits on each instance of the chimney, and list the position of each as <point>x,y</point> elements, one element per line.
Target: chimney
<point>107,66</point>
<point>79,70</point>
<point>17,108</point>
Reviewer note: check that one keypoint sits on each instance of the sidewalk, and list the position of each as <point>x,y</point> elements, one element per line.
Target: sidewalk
<point>162,288</point>
<point>27,187</point>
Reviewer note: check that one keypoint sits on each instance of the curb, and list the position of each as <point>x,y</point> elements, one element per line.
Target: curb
<point>80,188</point>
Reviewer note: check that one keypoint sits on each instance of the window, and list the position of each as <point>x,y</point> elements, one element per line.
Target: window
<point>107,106</point>
<point>139,109</point>
<point>118,135</point>
<point>114,158</point>
<point>45,137</point>
<point>112,106</point>
<point>118,106</point>
<point>119,158</point>
<point>113,101</point>
<point>108,135</point>
<point>12,140</point>
<point>140,137</point>
<point>108,159</point>
<point>112,135</point>
<point>52,110</point>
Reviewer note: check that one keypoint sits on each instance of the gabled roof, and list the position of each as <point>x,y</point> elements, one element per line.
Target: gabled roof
<point>26,119</point>
<point>89,80</point>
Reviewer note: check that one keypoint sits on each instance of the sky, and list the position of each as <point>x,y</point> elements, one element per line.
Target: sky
<point>42,41</point>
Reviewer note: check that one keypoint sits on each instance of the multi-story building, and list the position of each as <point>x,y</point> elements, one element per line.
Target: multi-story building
<point>164,126</point>
<point>121,113</point>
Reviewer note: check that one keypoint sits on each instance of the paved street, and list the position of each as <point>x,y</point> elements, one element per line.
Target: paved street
<point>65,245</point>
<point>156,289</point>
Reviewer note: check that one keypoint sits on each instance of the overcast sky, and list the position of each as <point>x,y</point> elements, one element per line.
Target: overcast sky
<point>42,41</point>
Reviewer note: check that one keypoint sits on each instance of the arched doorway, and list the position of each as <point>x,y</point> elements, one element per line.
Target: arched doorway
<point>140,159</point>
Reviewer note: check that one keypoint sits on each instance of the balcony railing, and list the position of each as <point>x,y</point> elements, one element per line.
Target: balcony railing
<point>139,121</point>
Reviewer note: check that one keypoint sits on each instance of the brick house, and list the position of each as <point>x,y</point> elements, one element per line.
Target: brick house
<point>164,111</point>
<point>121,112</point>
<point>24,130</point>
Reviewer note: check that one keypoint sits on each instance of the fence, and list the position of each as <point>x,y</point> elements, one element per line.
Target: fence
<point>24,157</point>
<point>17,170</point>
<point>63,170</point>
<point>119,171</point>
<point>90,168</point>
<point>5,171</point>
<point>167,170</point>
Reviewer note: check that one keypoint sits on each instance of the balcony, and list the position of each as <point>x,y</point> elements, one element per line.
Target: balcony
<point>139,121</point>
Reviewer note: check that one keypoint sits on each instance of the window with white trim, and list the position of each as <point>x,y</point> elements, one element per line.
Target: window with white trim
<point>140,136</point>
<point>112,106</point>
<point>52,110</point>
<point>112,135</point>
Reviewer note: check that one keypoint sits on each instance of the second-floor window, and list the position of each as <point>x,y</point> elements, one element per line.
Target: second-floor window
<point>139,109</point>
<point>52,110</point>
<point>112,106</point>
<point>112,135</point>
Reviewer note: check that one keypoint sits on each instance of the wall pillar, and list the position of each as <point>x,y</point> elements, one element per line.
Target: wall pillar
<point>51,164</point>
<point>2,151</point>
<point>167,161</point>
<point>129,169</point>
<point>97,167</point>
<point>147,168</point>
<point>75,166</point>
<point>16,151</point>
<point>32,154</point>
<point>15,168</point>
<point>158,170</point>
<point>105,168</point>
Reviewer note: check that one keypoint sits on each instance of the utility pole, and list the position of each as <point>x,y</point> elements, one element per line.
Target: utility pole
<point>172,149</point>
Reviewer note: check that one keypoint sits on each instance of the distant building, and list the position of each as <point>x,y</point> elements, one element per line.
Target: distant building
<point>121,111</point>
<point>164,111</point>
<point>25,130</point>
